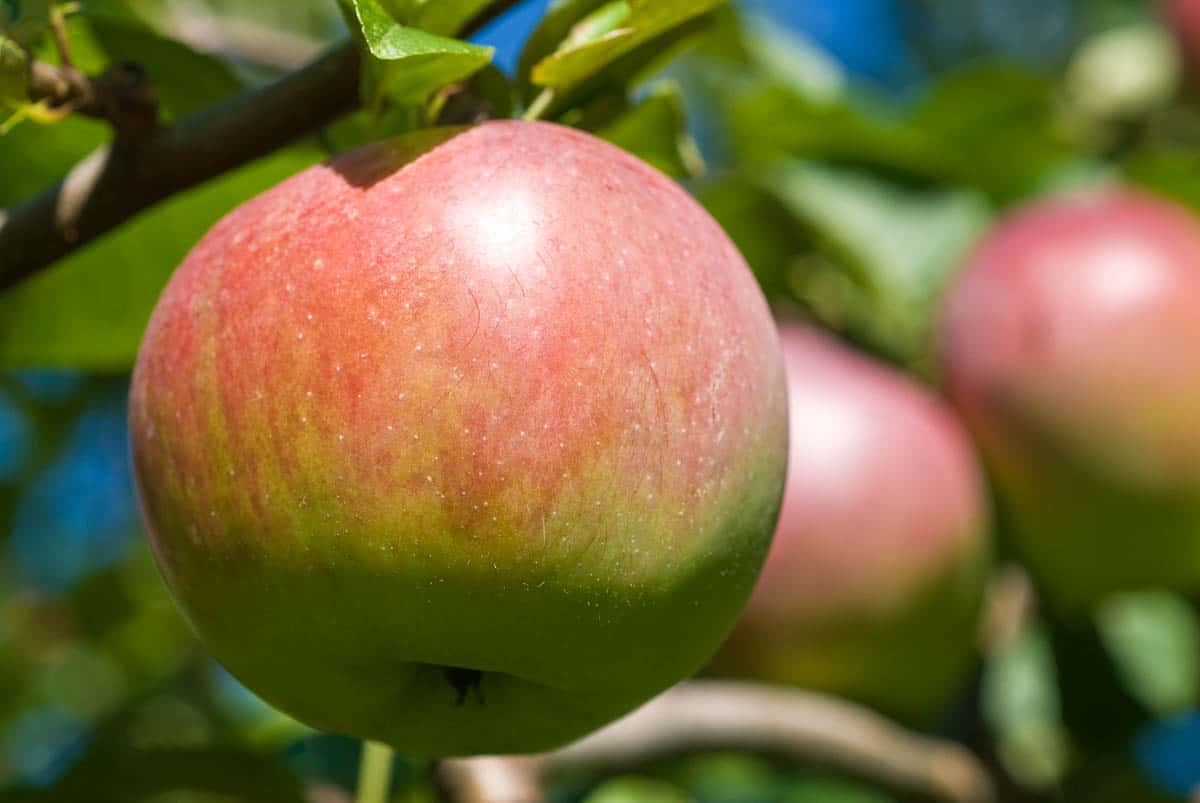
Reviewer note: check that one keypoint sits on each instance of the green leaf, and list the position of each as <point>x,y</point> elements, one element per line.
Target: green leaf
<point>612,31</point>
<point>554,27</point>
<point>728,776</point>
<point>14,73</point>
<point>185,80</point>
<point>447,17</point>
<point>24,21</point>
<point>1023,710</point>
<point>1154,638</point>
<point>88,311</point>
<point>792,60</point>
<point>990,128</point>
<point>769,236</point>
<point>901,245</point>
<point>656,131</point>
<point>416,62</point>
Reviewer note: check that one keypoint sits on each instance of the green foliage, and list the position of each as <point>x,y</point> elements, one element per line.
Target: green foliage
<point>637,789</point>
<point>656,131</point>
<point>899,247</point>
<point>90,309</point>
<point>1155,639</point>
<point>851,207</point>
<point>408,64</point>
<point>24,21</point>
<point>447,17</point>
<point>14,72</point>
<point>612,31</point>
<point>614,44</point>
<point>1021,703</point>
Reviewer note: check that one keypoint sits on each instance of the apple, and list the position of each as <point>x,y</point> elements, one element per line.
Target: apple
<point>1070,343</point>
<point>873,585</point>
<point>468,442</point>
<point>1183,18</point>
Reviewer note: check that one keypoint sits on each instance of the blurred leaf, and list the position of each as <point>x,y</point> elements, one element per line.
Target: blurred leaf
<point>145,774</point>
<point>901,245</point>
<point>1022,709</point>
<point>728,778</point>
<point>1155,639</point>
<point>905,242</point>
<point>761,226</point>
<point>832,790</point>
<point>414,62</point>
<point>184,80</point>
<point>89,309</point>
<point>987,128</point>
<point>1174,172</point>
<point>793,60</point>
<point>25,21</point>
<point>554,27</point>
<point>637,789</point>
<point>14,72</point>
<point>656,130</point>
<point>616,29</point>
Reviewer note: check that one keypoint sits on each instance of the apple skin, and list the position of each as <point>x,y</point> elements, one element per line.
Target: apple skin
<point>468,442</point>
<point>1070,343</point>
<point>1183,18</point>
<point>873,584</point>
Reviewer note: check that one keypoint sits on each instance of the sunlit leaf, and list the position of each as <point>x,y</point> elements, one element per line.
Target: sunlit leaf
<point>618,29</point>
<point>901,245</point>
<point>554,27</point>
<point>415,62</point>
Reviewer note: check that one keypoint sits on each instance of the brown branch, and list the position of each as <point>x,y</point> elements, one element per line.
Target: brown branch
<point>146,163</point>
<point>713,715</point>
<point>125,177</point>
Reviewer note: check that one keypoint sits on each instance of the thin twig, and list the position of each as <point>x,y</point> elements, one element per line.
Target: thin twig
<point>713,715</point>
<point>121,95</point>
<point>121,179</point>
<point>491,779</point>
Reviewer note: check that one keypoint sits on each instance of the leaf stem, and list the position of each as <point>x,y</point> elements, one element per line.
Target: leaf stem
<point>374,773</point>
<point>540,105</point>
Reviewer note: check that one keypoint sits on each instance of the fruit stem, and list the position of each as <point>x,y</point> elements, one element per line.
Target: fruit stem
<point>374,773</point>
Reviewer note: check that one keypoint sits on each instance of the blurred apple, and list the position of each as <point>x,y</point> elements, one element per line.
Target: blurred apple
<point>1071,344</point>
<point>873,585</point>
<point>468,442</point>
<point>1183,18</point>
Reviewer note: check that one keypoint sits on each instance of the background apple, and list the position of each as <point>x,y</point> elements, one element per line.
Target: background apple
<point>873,584</point>
<point>1071,344</point>
<point>467,443</point>
<point>1183,17</point>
